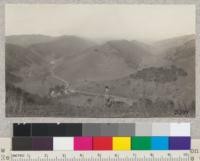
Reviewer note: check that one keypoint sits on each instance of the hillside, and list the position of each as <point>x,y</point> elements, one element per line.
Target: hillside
<point>112,60</point>
<point>142,83</point>
<point>173,42</point>
<point>183,51</point>
<point>183,56</point>
<point>27,40</point>
<point>17,57</point>
<point>62,47</point>
<point>23,67</point>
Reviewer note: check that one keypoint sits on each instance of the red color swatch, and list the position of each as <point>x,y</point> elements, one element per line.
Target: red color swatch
<point>102,143</point>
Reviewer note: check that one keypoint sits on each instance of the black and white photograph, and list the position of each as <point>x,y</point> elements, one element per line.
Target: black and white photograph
<point>100,61</point>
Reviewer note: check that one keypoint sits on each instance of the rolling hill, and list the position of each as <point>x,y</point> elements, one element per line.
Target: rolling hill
<point>23,67</point>
<point>62,47</point>
<point>174,42</point>
<point>17,57</point>
<point>112,60</point>
<point>158,83</point>
<point>27,40</point>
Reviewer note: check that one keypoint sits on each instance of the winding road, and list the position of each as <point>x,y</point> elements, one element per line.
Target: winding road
<point>114,97</point>
<point>52,65</point>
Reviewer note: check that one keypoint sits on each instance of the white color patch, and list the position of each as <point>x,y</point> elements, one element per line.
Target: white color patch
<point>63,143</point>
<point>180,129</point>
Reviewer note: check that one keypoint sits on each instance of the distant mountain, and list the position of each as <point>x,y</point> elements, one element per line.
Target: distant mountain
<point>182,55</point>
<point>112,60</point>
<point>17,57</point>
<point>179,51</point>
<point>174,42</point>
<point>133,52</point>
<point>29,67</point>
<point>27,40</point>
<point>153,80</point>
<point>182,52</point>
<point>22,63</point>
<point>173,81</point>
<point>60,47</point>
<point>75,59</point>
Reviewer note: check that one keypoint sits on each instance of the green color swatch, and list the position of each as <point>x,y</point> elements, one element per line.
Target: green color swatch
<point>141,143</point>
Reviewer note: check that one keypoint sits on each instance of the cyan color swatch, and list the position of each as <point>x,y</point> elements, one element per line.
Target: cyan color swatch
<point>160,143</point>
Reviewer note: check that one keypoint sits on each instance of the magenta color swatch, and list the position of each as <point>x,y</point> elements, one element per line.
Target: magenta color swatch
<point>82,143</point>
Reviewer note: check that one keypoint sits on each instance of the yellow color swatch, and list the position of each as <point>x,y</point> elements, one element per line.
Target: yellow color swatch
<point>121,143</point>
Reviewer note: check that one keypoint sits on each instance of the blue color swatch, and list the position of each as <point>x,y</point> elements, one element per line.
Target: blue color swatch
<point>160,143</point>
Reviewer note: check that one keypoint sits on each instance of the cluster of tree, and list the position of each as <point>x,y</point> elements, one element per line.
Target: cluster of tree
<point>159,74</point>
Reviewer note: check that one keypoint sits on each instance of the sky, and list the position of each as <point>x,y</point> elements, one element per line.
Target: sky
<point>131,22</point>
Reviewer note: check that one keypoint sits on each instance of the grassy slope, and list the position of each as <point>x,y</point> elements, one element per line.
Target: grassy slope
<point>150,99</point>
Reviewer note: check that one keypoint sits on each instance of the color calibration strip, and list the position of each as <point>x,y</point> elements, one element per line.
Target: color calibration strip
<point>101,143</point>
<point>158,136</point>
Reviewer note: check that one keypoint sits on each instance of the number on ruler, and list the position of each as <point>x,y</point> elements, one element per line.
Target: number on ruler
<point>196,151</point>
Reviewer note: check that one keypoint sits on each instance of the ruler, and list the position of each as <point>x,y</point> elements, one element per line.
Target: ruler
<point>7,155</point>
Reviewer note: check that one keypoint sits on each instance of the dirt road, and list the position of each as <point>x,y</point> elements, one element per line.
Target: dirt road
<point>114,97</point>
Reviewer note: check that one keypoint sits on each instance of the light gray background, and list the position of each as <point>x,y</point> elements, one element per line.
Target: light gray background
<point>6,123</point>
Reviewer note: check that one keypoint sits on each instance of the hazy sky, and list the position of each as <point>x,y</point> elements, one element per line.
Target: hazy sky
<point>145,22</point>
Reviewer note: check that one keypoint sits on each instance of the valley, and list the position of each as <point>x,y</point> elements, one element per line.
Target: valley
<point>144,80</point>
